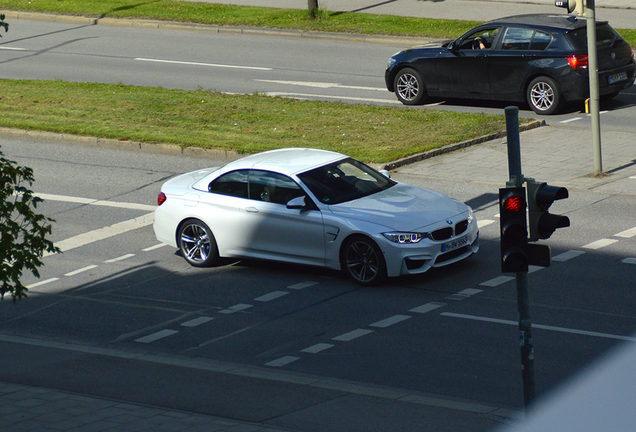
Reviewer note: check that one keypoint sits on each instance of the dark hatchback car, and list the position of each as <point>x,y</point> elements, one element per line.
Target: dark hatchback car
<point>538,59</point>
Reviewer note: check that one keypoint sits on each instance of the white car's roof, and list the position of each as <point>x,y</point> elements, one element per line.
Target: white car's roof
<point>286,161</point>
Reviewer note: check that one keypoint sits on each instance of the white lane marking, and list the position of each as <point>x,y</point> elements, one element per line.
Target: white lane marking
<point>309,96</point>
<point>540,326</point>
<point>44,282</point>
<point>571,120</point>
<point>236,308</point>
<point>12,49</point>
<point>627,233</point>
<point>104,233</point>
<point>567,255</point>
<point>425,308</point>
<point>151,248</point>
<point>271,296</point>
<point>352,335</point>
<point>317,348</point>
<point>390,321</point>
<point>485,222</point>
<point>282,361</point>
<point>197,321</point>
<point>96,202</point>
<point>204,64</point>
<point>499,280</point>
<point>600,244</point>
<point>121,258</point>
<point>302,285</point>
<point>321,85</point>
<point>82,270</point>
<point>156,336</point>
<point>629,261</point>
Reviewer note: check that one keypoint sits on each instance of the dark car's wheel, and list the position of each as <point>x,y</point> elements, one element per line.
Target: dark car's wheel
<point>409,87</point>
<point>363,261</point>
<point>197,244</point>
<point>543,96</point>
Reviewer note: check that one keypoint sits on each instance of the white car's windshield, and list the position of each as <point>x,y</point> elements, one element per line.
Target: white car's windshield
<point>343,181</point>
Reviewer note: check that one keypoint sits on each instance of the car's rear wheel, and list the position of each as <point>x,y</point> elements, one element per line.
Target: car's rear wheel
<point>197,244</point>
<point>409,87</point>
<point>363,261</point>
<point>543,96</point>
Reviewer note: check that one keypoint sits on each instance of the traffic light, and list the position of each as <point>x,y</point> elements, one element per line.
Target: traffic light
<point>540,198</point>
<point>578,6</point>
<point>513,230</point>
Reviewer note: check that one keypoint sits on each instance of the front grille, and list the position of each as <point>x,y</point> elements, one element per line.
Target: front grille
<point>461,227</point>
<point>442,234</point>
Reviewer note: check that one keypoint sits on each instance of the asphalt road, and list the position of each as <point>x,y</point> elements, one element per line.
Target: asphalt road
<point>450,333</point>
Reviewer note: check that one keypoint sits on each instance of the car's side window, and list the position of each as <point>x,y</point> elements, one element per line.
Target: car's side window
<point>481,39</point>
<point>233,183</point>
<point>516,38</point>
<point>272,187</point>
<point>540,41</point>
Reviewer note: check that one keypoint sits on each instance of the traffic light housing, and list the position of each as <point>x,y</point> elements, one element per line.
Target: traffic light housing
<point>513,230</point>
<point>540,198</point>
<point>577,6</point>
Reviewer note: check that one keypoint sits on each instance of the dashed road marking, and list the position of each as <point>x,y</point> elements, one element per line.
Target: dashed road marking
<point>627,233</point>
<point>283,361</point>
<point>40,283</point>
<point>629,261</point>
<point>317,348</point>
<point>82,270</point>
<point>156,336</point>
<point>271,296</point>
<point>197,321</point>
<point>236,308</point>
<point>352,335</point>
<point>598,244</point>
<point>499,280</point>
<point>565,256</point>
<point>425,308</point>
<point>302,285</point>
<point>390,321</point>
<point>121,258</point>
<point>157,246</point>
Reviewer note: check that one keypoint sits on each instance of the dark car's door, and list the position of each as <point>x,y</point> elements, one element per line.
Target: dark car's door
<point>514,57</point>
<point>463,70</point>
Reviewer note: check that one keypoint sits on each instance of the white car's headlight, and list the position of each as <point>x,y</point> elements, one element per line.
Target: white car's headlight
<point>404,237</point>
<point>471,216</point>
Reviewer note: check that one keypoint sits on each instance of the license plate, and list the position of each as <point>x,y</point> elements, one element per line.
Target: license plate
<point>617,77</point>
<point>454,244</point>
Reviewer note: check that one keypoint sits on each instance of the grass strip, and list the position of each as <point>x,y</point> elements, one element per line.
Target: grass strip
<point>230,15</point>
<point>243,123</point>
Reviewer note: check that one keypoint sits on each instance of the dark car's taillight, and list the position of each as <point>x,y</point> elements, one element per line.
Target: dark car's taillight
<point>161,198</point>
<point>578,61</point>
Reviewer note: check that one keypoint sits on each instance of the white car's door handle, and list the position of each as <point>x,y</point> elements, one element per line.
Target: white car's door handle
<point>251,209</point>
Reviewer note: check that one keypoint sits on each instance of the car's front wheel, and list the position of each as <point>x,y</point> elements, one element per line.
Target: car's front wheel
<point>543,96</point>
<point>197,244</point>
<point>363,261</point>
<point>409,87</point>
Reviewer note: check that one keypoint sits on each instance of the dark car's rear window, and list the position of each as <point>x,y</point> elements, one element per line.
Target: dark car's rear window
<point>605,36</point>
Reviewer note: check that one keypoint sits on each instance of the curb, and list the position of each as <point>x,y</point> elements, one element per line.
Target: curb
<point>458,146</point>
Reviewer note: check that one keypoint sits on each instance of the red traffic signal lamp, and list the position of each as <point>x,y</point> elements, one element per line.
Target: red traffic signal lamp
<point>540,197</point>
<point>513,230</point>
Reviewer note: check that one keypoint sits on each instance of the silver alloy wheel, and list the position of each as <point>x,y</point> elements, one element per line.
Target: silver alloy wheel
<point>196,243</point>
<point>363,261</point>
<point>542,96</point>
<point>407,87</point>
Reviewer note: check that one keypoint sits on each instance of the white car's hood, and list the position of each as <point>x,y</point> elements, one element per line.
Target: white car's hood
<point>402,208</point>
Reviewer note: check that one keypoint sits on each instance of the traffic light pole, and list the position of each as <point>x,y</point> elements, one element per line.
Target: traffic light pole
<point>590,14</point>
<point>523,298</point>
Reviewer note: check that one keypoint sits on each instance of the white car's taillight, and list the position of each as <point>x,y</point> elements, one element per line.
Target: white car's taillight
<point>161,198</point>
